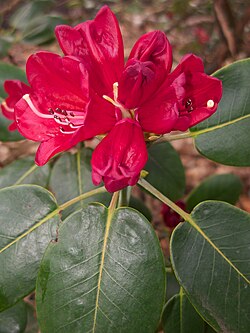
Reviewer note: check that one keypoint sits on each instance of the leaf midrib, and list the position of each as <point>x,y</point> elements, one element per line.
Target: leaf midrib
<point>193,223</point>
<point>213,128</point>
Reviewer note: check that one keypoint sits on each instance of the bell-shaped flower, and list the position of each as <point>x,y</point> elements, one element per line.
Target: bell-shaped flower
<point>57,111</point>
<point>198,94</point>
<point>120,156</point>
<point>15,90</point>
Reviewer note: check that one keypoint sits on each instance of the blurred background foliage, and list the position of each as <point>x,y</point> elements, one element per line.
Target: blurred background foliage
<point>218,31</point>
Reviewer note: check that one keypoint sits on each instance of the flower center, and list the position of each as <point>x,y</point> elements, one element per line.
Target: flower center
<point>126,113</point>
<point>69,120</point>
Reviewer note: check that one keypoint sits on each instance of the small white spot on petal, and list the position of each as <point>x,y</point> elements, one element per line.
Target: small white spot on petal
<point>210,103</point>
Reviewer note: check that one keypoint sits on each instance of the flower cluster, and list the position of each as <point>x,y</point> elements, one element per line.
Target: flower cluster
<point>91,92</point>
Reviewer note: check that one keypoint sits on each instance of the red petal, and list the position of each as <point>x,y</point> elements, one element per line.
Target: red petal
<point>99,45</point>
<point>15,89</point>
<point>160,113</point>
<point>120,156</point>
<point>155,47</point>
<point>200,89</point>
<point>137,84</point>
<point>51,147</point>
<point>58,80</point>
<point>56,83</point>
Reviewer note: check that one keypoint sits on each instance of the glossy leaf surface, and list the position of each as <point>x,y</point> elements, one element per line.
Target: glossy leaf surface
<point>14,319</point>
<point>105,274</point>
<point>25,229</point>
<point>166,172</point>
<point>71,176</point>
<point>179,316</point>
<point>225,187</point>
<point>210,256</point>
<point>24,171</point>
<point>225,135</point>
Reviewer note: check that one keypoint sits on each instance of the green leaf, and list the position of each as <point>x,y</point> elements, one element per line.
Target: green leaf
<point>225,187</point>
<point>173,286</point>
<point>14,319</point>
<point>71,176</point>
<point>179,316</point>
<point>139,205</point>
<point>26,228</point>
<point>166,172</point>
<point>24,171</point>
<point>105,274</point>
<point>225,135</point>
<point>210,256</point>
<point>9,72</point>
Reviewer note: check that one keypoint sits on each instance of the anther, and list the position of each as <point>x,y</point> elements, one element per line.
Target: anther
<point>72,114</point>
<point>115,91</point>
<point>64,112</point>
<point>56,117</point>
<point>188,103</point>
<point>210,103</point>
<point>58,110</point>
<point>50,110</point>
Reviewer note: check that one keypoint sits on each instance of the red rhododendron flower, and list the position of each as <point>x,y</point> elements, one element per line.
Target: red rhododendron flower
<point>56,111</point>
<point>170,217</point>
<point>90,92</point>
<point>120,157</point>
<point>15,89</point>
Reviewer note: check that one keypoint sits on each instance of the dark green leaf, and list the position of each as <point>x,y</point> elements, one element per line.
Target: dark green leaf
<point>225,187</point>
<point>14,319</point>
<point>24,171</point>
<point>71,176</point>
<point>173,286</point>
<point>225,135</point>
<point>139,205</point>
<point>9,72</point>
<point>210,256</point>
<point>166,172</point>
<point>105,274</point>
<point>179,316</point>
<point>25,231</point>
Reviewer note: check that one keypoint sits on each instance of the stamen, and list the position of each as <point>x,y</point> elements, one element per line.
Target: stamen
<point>62,130</point>
<point>34,109</point>
<point>51,111</point>
<point>188,103</point>
<point>115,91</point>
<point>75,126</point>
<point>7,107</point>
<point>109,99</point>
<point>210,103</point>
